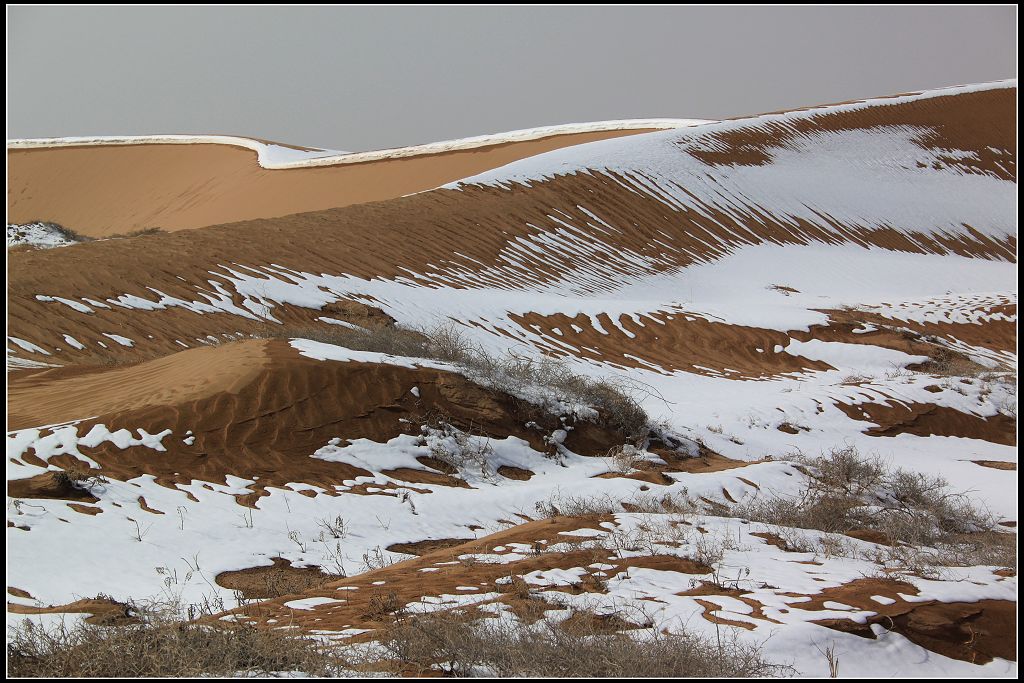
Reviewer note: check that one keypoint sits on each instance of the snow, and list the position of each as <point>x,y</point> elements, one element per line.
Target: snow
<point>40,235</point>
<point>28,346</point>
<point>81,308</point>
<point>123,341</point>
<point>273,156</point>
<point>817,174</point>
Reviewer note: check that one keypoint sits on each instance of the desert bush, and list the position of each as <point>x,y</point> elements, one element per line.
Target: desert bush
<point>557,505</point>
<point>919,515</point>
<point>83,479</point>
<point>587,645</point>
<point>549,381</point>
<point>18,231</point>
<point>141,232</point>
<point>625,458</point>
<point>159,642</point>
<point>678,502</point>
<point>459,450</point>
<point>389,339</point>
<point>945,362</point>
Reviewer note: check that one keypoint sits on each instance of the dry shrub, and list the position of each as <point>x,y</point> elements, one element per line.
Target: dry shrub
<point>584,646</point>
<point>458,450</point>
<point>946,362</point>
<point>389,339</point>
<point>66,233</point>
<point>558,505</point>
<point>921,518</point>
<point>551,378</point>
<point>160,642</point>
<point>625,459</point>
<point>141,232</point>
<point>548,379</point>
<point>83,479</point>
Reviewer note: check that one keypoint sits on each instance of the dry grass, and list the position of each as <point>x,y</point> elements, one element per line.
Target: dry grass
<point>946,362</point>
<point>459,451</point>
<point>585,645</point>
<point>559,505</point>
<point>141,232</point>
<point>923,521</point>
<point>159,642</point>
<point>625,459</point>
<point>389,339</point>
<point>552,379</point>
<point>83,479</point>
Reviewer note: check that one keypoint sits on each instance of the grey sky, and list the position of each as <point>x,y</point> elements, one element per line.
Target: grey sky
<point>372,77</point>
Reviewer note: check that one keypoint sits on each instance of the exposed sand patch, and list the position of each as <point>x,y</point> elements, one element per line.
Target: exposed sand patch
<point>266,409</point>
<point>972,632</point>
<point>280,578</point>
<point>108,189</point>
<point>924,419</point>
<point>101,610</point>
<point>672,342</point>
<point>55,396</point>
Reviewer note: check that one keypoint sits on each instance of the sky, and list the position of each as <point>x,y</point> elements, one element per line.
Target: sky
<point>362,78</point>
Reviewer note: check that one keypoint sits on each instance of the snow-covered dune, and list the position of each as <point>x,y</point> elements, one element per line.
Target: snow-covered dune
<point>835,281</point>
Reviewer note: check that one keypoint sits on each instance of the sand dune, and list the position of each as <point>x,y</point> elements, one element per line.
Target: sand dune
<point>100,190</point>
<point>822,282</point>
<point>579,235</point>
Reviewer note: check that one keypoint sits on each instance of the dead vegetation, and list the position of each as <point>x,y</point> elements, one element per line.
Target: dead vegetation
<point>388,339</point>
<point>165,641</point>
<point>457,450</point>
<point>141,232</point>
<point>587,644</point>
<point>159,641</point>
<point>17,231</point>
<point>281,578</point>
<point>549,381</point>
<point>920,519</point>
<point>945,362</point>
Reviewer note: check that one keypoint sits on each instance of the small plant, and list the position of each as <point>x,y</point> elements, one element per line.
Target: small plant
<point>296,538</point>
<point>336,528</point>
<point>246,517</point>
<point>381,605</point>
<point>376,559</point>
<point>459,450</point>
<point>577,506</point>
<point>139,532</point>
<point>82,479</point>
<point>625,459</point>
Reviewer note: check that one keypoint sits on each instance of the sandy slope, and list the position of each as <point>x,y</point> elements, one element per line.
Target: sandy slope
<point>111,189</point>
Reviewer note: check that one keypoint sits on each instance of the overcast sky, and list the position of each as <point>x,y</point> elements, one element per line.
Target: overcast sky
<point>373,77</point>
